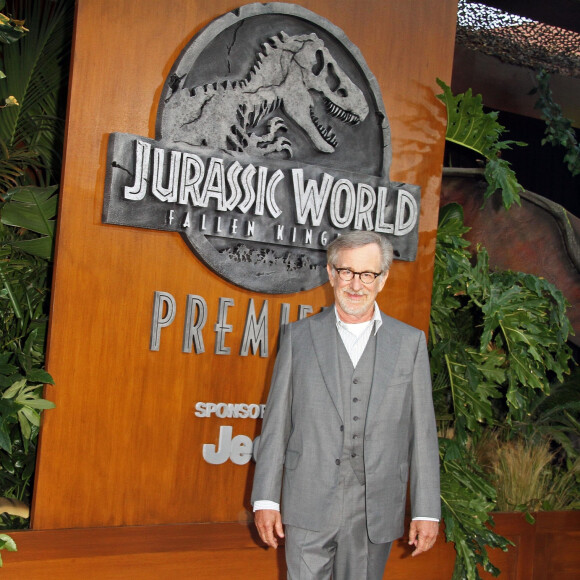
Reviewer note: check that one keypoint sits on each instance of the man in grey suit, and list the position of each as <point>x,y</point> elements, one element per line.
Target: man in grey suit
<point>349,423</point>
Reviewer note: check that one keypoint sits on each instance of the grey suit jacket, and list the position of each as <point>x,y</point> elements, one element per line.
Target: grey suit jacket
<point>302,438</point>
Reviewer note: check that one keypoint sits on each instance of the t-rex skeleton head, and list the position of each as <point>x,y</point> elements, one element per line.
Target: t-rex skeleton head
<point>313,69</point>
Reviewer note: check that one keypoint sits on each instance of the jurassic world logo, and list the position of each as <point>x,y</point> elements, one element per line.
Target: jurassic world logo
<point>271,140</point>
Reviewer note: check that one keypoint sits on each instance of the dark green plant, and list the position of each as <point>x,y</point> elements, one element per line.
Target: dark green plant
<point>10,31</point>
<point>559,129</point>
<point>31,137</point>
<point>36,71</point>
<point>24,264</point>
<point>555,417</point>
<point>497,339</point>
<point>6,543</point>
<point>467,498</point>
<point>468,125</point>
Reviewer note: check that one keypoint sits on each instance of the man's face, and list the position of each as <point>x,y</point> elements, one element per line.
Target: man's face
<point>355,300</point>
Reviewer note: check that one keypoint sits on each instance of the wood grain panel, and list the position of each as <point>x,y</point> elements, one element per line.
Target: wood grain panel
<point>557,546</point>
<point>200,551</point>
<point>544,551</point>
<point>123,446</point>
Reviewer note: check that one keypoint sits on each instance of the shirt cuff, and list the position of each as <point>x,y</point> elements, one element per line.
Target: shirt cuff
<point>264,504</point>
<point>417,518</point>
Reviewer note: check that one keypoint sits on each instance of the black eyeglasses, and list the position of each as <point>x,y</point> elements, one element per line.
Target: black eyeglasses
<point>347,275</point>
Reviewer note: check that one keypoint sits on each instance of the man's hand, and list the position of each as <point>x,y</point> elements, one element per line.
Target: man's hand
<point>422,535</point>
<point>269,524</point>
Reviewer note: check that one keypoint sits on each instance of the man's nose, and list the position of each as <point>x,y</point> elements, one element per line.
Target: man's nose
<point>355,283</point>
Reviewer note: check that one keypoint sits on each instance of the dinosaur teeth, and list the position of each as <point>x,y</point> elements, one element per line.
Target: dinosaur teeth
<point>326,132</point>
<point>340,113</point>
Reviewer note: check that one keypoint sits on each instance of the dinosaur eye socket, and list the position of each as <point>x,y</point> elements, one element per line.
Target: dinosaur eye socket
<point>319,64</point>
<point>332,79</point>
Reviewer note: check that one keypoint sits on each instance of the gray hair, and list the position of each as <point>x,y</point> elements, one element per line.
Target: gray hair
<point>357,239</point>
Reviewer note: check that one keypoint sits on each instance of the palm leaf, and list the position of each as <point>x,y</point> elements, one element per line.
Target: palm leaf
<point>34,209</point>
<point>35,68</point>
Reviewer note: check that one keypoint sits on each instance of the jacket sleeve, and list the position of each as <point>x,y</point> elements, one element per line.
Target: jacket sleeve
<point>424,447</point>
<point>276,427</point>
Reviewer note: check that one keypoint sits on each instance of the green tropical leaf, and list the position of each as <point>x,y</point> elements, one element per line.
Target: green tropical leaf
<point>10,30</point>
<point>39,376</point>
<point>500,176</point>
<point>7,543</point>
<point>9,291</point>
<point>559,130</point>
<point>5,439</point>
<point>469,126</point>
<point>40,404</point>
<point>466,500</point>
<point>21,403</point>
<point>34,209</point>
<point>41,247</point>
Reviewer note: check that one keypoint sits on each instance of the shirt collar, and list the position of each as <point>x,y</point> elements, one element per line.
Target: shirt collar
<point>376,319</point>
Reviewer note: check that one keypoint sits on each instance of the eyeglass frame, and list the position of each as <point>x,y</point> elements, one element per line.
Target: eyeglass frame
<point>360,274</point>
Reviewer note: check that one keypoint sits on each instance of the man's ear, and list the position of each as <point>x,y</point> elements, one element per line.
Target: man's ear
<point>383,280</point>
<point>330,277</point>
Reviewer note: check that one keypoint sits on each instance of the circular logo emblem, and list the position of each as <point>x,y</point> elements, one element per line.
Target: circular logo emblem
<point>283,144</point>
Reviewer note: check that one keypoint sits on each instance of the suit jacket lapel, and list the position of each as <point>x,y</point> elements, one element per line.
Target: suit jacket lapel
<point>324,337</point>
<point>386,355</point>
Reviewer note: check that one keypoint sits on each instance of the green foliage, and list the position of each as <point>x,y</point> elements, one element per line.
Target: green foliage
<point>23,323</point>
<point>468,125</point>
<point>36,70</point>
<point>555,417</point>
<point>10,31</point>
<point>31,138</point>
<point>34,209</point>
<point>559,129</point>
<point>6,543</point>
<point>466,500</point>
<point>496,341</point>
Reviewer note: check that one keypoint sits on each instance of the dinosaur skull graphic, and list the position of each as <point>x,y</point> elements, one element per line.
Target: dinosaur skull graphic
<point>315,71</point>
<point>296,74</point>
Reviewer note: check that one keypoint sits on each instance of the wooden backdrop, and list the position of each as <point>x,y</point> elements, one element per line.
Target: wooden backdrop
<point>123,446</point>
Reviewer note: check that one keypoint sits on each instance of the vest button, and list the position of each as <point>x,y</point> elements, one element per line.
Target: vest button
<point>337,462</point>
<point>342,427</point>
<point>355,400</point>
<point>355,381</point>
<point>353,455</point>
<point>355,418</point>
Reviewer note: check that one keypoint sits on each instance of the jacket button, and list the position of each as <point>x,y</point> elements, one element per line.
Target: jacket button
<point>355,418</point>
<point>337,462</point>
<point>355,381</point>
<point>342,427</point>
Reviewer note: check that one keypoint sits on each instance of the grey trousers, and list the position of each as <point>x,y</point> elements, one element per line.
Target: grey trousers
<point>343,550</point>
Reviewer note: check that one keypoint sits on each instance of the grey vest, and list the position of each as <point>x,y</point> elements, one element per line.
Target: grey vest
<point>355,384</point>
